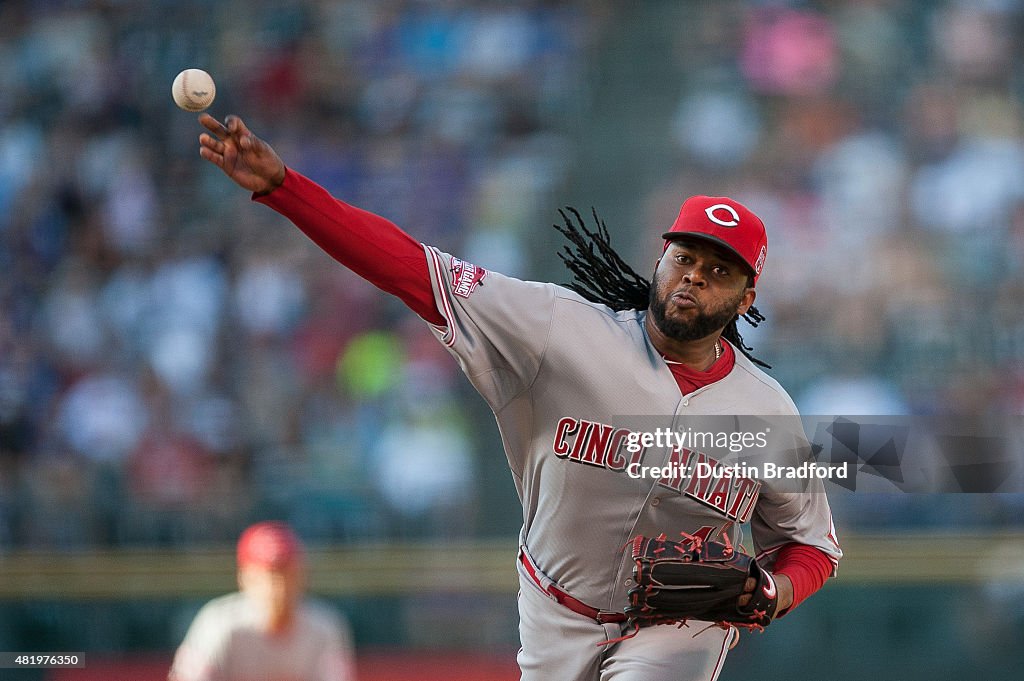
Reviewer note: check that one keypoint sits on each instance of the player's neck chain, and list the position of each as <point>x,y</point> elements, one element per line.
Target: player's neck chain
<point>718,353</point>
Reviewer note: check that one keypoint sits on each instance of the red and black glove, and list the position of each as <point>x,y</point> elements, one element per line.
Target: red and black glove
<point>696,579</point>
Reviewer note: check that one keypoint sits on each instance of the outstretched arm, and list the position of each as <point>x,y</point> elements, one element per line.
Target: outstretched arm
<point>367,244</point>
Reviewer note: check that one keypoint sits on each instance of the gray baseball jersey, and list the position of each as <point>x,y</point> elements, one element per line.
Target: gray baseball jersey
<point>225,643</point>
<point>559,371</point>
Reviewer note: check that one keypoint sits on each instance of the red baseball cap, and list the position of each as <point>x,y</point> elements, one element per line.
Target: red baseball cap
<point>269,544</point>
<point>726,223</point>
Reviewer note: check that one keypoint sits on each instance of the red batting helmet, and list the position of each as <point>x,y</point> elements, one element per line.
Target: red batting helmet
<point>268,544</point>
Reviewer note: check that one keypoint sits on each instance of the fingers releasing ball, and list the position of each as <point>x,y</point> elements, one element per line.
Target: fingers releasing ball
<point>193,90</point>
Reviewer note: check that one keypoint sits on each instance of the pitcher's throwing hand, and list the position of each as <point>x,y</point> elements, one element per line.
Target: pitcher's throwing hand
<point>245,158</point>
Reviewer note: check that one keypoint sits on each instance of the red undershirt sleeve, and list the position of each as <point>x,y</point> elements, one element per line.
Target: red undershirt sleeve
<point>807,567</point>
<point>369,245</point>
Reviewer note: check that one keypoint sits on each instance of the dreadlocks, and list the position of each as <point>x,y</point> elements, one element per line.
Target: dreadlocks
<point>601,275</point>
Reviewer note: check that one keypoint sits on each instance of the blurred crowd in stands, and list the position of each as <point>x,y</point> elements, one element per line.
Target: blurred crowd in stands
<point>176,362</point>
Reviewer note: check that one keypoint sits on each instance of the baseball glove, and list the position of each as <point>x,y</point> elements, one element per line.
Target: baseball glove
<point>676,581</point>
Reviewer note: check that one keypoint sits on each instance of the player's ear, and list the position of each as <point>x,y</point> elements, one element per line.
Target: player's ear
<point>657,261</point>
<point>749,295</point>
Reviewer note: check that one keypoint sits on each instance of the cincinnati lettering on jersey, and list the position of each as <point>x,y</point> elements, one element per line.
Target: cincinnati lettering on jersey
<point>595,444</point>
<point>604,446</point>
<point>732,495</point>
<point>465,277</point>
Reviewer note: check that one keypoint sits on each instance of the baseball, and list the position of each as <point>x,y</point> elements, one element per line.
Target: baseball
<point>193,90</point>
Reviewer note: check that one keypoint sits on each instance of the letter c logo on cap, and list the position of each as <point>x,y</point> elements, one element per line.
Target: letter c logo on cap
<point>710,210</point>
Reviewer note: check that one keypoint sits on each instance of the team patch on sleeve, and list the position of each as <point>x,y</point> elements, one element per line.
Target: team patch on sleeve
<point>465,277</point>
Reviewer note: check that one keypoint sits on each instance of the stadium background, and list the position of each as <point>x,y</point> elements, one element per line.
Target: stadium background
<point>176,362</point>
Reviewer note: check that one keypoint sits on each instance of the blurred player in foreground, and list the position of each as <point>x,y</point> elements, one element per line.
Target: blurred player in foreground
<point>558,367</point>
<point>268,630</point>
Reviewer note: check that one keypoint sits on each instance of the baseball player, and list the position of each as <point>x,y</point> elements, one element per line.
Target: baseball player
<point>267,630</point>
<point>556,367</point>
